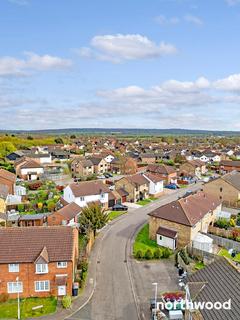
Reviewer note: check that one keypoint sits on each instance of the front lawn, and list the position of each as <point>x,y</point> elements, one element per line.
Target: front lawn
<point>115,214</point>
<point>144,202</point>
<point>145,248</point>
<point>199,265</point>
<point>224,253</point>
<point>142,241</point>
<point>9,309</point>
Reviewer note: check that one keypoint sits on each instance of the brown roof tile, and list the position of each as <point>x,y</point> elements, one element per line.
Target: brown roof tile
<point>88,188</point>
<point>19,245</point>
<point>69,211</point>
<point>7,175</point>
<point>187,211</point>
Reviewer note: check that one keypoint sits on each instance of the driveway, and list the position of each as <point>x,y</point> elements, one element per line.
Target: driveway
<point>145,273</point>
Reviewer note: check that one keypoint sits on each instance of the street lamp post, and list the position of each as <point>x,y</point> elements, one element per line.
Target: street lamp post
<point>155,298</point>
<point>18,297</point>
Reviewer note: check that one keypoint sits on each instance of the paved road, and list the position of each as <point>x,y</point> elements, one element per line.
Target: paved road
<point>115,296</point>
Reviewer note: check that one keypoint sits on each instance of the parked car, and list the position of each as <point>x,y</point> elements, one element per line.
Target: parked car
<point>101,177</point>
<point>106,174</point>
<point>172,186</point>
<point>119,207</point>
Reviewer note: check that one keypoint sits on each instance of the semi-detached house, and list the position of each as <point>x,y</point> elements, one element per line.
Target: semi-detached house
<point>38,261</point>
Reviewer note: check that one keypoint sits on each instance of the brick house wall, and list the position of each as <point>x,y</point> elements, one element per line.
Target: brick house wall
<point>27,276</point>
<point>124,183</point>
<point>185,233</point>
<point>223,190</point>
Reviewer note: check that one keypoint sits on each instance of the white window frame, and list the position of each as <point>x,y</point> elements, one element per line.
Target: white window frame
<point>15,287</point>
<point>45,286</point>
<point>62,264</point>
<point>82,198</point>
<point>13,267</point>
<point>41,268</point>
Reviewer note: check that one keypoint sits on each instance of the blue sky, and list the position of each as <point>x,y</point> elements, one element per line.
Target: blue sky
<point>132,64</point>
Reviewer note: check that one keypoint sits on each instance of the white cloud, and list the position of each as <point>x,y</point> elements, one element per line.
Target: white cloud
<point>193,19</point>
<point>10,66</point>
<point>231,83</point>
<point>119,47</point>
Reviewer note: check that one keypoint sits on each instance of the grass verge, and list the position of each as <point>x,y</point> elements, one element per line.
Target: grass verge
<point>9,309</point>
<point>224,253</point>
<point>115,214</point>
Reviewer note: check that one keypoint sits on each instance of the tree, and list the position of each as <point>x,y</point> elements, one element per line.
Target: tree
<point>73,136</point>
<point>6,148</point>
<point>93,217</point>
<point>59,140</point>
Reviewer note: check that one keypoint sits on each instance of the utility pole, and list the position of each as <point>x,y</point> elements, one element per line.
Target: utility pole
<point>155,298</point>
<point>19,316</point>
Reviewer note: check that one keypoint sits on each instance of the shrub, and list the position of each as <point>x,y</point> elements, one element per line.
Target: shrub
<point>166,253</point>
<point>20,207</point>
<point>66,302</point>
<point>148,254</point>
<point>184,256</point>
<point>84,266</point>
<point>222,223</point>
<point>157,253</point>
<point>232,222</point>
<point>139,254</point>
<point>4,297</point>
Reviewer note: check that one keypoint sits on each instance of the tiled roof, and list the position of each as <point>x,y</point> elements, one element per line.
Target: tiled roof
<point>220,281</point>
<point>153,177</point>
<point>169,233</point>
<point>232,178</point>
<point>7,175</point>
<point>161,169</point>
<point>137,179</point>
<point>19,245</point>
<point>88,188</point>
<point>187,211</point>
<point>230,163</point>
<point>70,211</point>
<point>30,164</point>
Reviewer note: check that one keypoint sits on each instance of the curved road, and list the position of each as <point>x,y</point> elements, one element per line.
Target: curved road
<point>115,296</point>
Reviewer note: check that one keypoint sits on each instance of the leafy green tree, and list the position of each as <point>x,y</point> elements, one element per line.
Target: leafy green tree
<point>6,148</point>
<point>93,217</point>
<point>59,140</point>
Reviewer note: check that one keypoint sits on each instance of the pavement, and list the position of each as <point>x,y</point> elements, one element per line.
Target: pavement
<point>117,288</point>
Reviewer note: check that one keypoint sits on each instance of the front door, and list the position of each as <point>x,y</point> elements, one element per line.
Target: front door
<point>61,290</point>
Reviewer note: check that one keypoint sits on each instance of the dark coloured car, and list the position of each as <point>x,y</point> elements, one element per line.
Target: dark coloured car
<point>172,186</point>
<point>119,207</point>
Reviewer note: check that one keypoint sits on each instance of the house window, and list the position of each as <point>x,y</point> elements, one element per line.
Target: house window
<point>62,264</point>
<point>13,267</point>
<point>41,286</point>
<point>221,189</point>
<point>82,198</point>
<point>41,268</point>
<point>15,287</point>
<point>160,237</point>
